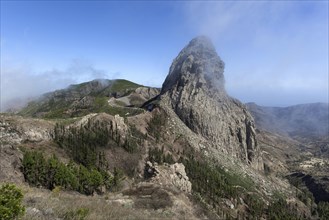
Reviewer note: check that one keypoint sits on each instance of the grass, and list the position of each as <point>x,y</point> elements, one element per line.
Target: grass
<point>120,103</point>
<point>122,111</point>
<point>67,205</point>
<point>122,85</point>
<point>56,113</point>
<point>70,206</point>
<point>30,109</point>
<point>136,101</point>
<point>66,121</point>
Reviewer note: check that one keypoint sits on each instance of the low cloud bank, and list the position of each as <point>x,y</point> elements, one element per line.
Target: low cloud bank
<point>19,85</point>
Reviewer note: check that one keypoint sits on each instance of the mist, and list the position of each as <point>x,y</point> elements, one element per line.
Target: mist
<point>275,53</point>
<point>19,85</point>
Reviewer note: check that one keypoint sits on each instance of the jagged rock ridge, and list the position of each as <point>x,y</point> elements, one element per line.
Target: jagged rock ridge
<point>195,90</point>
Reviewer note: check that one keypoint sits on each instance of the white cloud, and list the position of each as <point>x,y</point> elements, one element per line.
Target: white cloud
<point>270,48</point>
<point>19,83</point>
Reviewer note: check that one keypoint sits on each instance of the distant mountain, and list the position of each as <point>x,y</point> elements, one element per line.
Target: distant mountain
<point>305,120</point>
<point>100,95</point>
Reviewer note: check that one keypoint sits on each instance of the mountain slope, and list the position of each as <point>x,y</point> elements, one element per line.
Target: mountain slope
<point>305,120</point>
<point>111,96</point>
<point>296,139</point>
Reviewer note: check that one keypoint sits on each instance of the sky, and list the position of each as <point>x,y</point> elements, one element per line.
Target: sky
<point>275,52</point>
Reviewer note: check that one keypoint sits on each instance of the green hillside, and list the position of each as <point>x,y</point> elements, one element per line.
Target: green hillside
<point>82,99</point>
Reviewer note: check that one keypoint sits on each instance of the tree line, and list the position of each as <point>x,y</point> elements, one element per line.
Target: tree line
<point>88,171</point>
<point>84,143</point>
<point>51,172</point>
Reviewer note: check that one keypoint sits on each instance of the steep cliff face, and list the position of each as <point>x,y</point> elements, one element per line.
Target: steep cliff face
<point>195,90</point>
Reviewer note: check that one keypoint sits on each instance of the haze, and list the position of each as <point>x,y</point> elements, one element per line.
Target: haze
<point>275,53</point>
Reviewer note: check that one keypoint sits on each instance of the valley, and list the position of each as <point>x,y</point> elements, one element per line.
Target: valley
<point>114,149</point>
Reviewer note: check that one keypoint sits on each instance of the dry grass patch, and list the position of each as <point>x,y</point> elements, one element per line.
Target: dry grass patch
<point>43,204</point>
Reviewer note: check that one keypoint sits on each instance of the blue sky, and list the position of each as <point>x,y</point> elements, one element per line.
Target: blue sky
<point>276,53</point>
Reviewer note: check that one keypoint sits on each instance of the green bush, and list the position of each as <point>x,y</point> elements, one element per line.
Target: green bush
<point>256,205</point>
<point>156,125</point>
<point>79,214</point>
<point>158,155</point>
<point>10,202</point>
<point>323,210</point>
<point>55,173</point>
<point>280,209</point>
<point>34,168</point>
<point>214,182</point>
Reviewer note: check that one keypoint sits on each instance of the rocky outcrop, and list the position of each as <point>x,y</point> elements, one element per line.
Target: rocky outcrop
<point>16,129</point>
<point>85,102</point>
<point>10,164</point>
<point>169,175</point>
<point>115,125</point>
<point>194,89</point>
<point>147,92</point>
<point>136,98</point>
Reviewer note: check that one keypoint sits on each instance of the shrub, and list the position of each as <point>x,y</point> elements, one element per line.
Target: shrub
<point>323,210</point>
<point>34,168</point>
<point>158,155</point>
<point>157,124</point>
<point>56,191</point>
<point>256,205</point>
<point>280,209</point>
<point>72,177</point>
<point>79,214</point>
<point>10,202</point>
